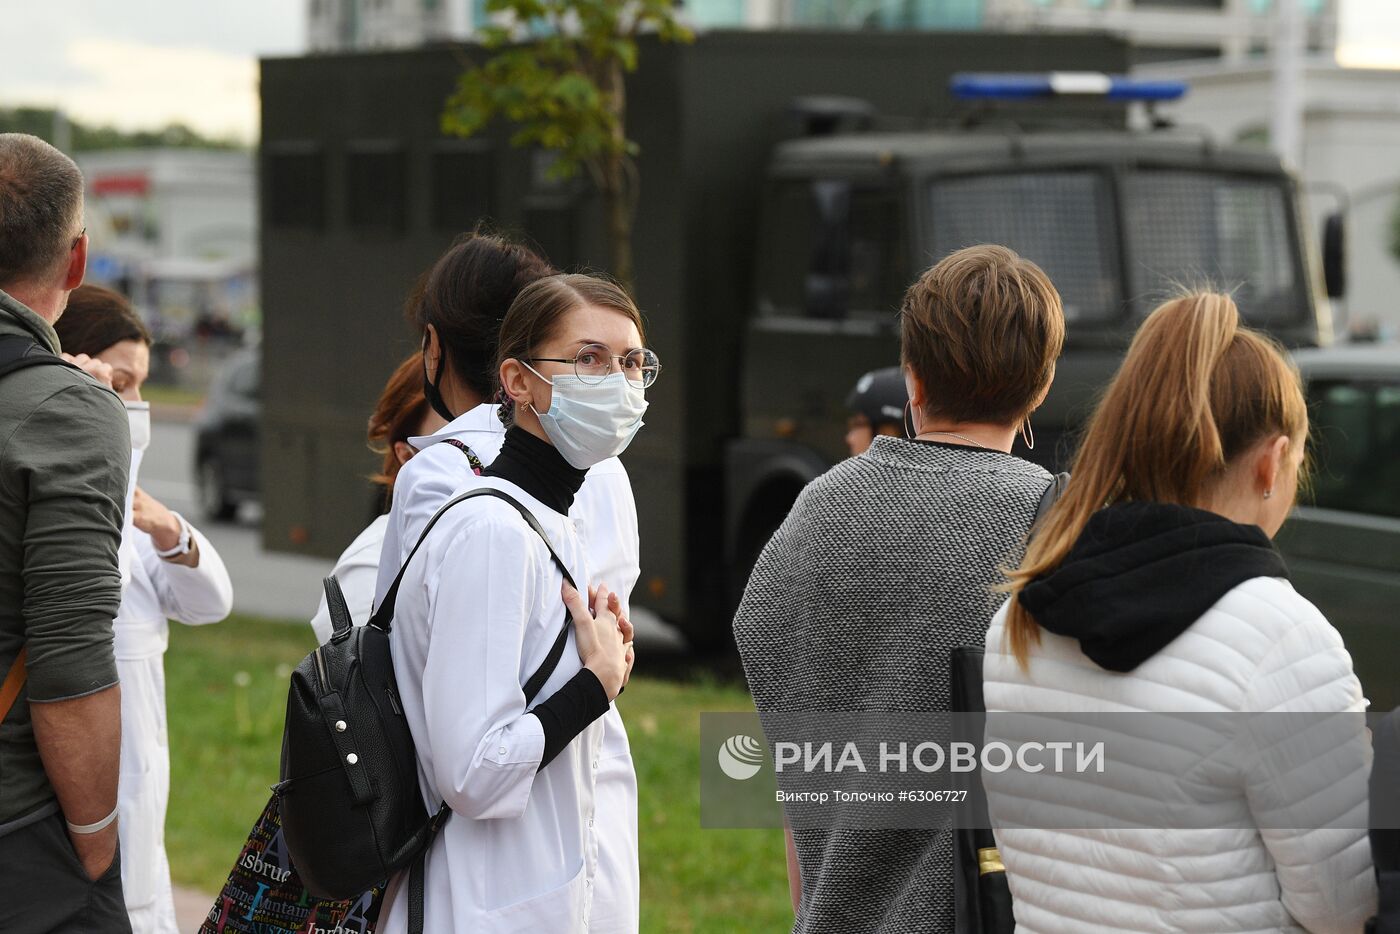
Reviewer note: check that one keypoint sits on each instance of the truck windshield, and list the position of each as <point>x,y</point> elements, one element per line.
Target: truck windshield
<point>1189,229</point>
<point>1060,220</point>
<point>1180,229</point>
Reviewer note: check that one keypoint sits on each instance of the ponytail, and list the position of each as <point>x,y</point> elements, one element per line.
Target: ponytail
<point>1195,390</point>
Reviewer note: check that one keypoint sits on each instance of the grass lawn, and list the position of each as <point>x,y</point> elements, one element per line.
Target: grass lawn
<point>226,693</point>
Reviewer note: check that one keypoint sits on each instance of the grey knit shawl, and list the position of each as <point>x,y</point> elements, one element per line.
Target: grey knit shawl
<point>886,563</point>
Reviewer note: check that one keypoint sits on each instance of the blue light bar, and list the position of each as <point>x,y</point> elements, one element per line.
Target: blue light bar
<point>1029,86</point>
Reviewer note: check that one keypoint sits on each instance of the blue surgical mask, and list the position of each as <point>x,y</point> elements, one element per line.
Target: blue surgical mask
<point>590,422</point>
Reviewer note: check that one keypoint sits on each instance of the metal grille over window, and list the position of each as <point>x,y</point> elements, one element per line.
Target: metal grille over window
<point>1191,229</point>
<point>1058,220</point>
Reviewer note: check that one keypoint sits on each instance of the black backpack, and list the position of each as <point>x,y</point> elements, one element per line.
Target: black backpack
<point>352,813</point>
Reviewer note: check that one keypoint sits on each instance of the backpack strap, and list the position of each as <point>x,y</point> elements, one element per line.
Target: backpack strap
<point>19,351</point>
<point>383,617</point>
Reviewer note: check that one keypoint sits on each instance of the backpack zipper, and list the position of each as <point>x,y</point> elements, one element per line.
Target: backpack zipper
<point>322,677</point>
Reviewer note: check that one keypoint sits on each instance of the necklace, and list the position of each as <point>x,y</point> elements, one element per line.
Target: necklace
<point>952,434</point>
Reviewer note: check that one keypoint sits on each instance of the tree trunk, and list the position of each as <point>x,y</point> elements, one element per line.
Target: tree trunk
<point>618,196</point>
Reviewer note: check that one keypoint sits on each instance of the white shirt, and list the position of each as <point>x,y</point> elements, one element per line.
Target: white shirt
<point>604,515</point>
<point>356,570</point>
<point>476,614</point>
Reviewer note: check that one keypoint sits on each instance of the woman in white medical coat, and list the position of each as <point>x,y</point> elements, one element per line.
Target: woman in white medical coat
<point>169,571</point>
<point>458,308</point>
<point>401,413</point>
<point>480,606</point>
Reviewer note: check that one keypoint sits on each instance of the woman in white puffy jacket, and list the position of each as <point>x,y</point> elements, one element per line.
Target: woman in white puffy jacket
<point>1153,586</point>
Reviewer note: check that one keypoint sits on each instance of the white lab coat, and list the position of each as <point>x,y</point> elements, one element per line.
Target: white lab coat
<point>156,590</point>
<point>478,611</point>
<point>604,514</point>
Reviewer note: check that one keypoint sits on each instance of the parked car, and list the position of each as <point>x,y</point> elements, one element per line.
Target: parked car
<point>226,440</point>
<point>1343,544</point>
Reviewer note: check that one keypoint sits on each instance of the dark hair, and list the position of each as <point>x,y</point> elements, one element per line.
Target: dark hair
<point>97,318</point>
<point>982,330</point>
<point>539,307</point>
<point>466,295</point>
<point>397,416</point>
<point>41,204</point>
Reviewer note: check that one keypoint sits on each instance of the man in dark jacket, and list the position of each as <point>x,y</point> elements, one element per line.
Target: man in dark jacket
<point>65,453</point>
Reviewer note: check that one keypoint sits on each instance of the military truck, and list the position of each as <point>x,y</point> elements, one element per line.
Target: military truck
<point>793,183</point>
<point>1118,219</point>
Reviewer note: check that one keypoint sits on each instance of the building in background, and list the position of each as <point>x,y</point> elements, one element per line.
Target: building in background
<point>1351,134</point>
<point>176,231</point>
<point>1160,30</point>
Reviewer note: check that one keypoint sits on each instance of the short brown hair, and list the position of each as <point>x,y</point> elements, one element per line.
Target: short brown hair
<point>97,318</point>
<point>41,205</point>
<point>982,330</point>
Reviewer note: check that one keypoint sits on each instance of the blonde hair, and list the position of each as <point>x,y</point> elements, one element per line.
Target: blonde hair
<point>1196,390</point>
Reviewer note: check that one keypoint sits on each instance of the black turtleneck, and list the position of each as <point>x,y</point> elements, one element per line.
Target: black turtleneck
<point>538,468</point>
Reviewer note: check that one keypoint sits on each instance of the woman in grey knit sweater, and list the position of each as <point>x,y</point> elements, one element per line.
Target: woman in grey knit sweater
<point>888,561</point>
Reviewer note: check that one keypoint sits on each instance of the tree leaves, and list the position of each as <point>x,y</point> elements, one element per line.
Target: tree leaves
<point>552,73</point>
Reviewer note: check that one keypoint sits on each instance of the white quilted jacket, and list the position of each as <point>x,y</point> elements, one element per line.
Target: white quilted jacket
<point>1260,647</point>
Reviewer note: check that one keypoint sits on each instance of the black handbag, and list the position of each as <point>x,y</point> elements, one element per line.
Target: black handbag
<point>981,894</point>
<point>352,813</point>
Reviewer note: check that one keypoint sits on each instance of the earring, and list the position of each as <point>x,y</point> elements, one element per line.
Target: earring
<point>1268,493</point>
<point>1028,434</point>
<point>909,431</point>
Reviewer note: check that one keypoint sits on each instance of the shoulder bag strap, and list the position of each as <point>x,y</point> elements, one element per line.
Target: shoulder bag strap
<point>1052,493</point>
<point>14,682</point>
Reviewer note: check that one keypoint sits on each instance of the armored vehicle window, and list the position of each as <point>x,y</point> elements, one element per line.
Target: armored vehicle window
<point>1059,220</point>
<point>374,186</point>
<point>1198,229</point>
<point>462,184</point>
<point>1356,445</point>
<point>832,250</point>
<point>296,187</point>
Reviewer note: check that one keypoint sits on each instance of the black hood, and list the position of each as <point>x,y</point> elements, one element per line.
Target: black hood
<point>1141,573</point>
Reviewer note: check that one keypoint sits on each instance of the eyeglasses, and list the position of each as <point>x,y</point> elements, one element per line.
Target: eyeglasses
<point>79,238</point>
<point>594,363</point>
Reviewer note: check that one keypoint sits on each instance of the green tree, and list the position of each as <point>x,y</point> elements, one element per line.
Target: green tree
<point>563,89</point>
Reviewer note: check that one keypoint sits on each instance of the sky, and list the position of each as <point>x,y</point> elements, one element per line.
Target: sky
<point>140,64</point>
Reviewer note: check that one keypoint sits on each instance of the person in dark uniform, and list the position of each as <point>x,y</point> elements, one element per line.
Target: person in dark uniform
<point>876,407</point>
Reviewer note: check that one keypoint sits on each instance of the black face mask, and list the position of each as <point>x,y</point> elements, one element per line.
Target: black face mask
<point>432,389</point>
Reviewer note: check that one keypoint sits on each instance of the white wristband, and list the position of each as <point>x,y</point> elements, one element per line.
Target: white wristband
<point>184,545</point>
<point>98,827</point>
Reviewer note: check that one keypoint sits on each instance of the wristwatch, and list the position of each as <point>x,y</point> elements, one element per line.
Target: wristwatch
<point>184,546</point>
